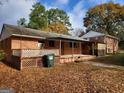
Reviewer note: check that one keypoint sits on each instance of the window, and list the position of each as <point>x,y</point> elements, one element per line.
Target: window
<point>74,45</point>
<point>41,44</point>
<point>51,43</point>
<point>70,44</point>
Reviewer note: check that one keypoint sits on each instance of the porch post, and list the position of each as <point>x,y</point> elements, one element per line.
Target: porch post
<point>60,47</point>
<point>80,48</point>
<point>21,49</point>
<point>93,46</point>
<point>21,59</point>
<point>59,51</point>
<point>73,51</point>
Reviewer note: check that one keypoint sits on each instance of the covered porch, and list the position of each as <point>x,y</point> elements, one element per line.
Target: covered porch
<point>65,50</point>
<point>72,46</point>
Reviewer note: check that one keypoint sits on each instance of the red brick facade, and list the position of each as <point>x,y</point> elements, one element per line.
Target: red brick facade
<point>111,45</point>
<point>29,43</point>
<point>110,42</point>
<point>65,48</point>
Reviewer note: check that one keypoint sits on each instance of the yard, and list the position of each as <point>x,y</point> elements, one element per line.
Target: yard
<point>65,78</point>
<point>117,59</point>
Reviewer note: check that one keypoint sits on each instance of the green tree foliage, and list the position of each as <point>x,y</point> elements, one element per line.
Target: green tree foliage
<point>107,18</point>
<point>53,20</point>
<point>58,27</point>
<point>57,16</point>
<point>38,18</point>
<point>58,21</point>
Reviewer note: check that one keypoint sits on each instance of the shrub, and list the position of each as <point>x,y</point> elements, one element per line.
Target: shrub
<point>2,54</point>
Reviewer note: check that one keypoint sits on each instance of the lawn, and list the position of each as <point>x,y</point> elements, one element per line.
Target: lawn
<point>117,59</point>
<point>65,78</point>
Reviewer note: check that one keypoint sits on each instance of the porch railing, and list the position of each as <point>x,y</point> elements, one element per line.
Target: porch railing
<point>34,53</point>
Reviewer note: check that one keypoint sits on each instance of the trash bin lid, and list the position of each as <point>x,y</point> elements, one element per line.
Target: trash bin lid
<point>50,57</point>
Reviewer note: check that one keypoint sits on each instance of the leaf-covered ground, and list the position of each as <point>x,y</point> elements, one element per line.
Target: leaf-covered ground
<point>66,78</point>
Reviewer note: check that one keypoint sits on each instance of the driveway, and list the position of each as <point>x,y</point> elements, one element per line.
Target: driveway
<point>102,64</point>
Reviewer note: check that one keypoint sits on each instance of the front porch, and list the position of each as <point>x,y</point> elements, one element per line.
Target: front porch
<point>64,50</point>
<point>33,58</point>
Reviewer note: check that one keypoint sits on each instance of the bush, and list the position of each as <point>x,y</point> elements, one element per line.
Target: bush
<point>2,54</point>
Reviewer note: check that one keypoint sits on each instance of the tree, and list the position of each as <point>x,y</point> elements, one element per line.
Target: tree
<point>58,21</point>
<point>22,22</point>
<point>107,18</point>
<point>54,20</point>
<point>58,27</point>
<point>77,32</point>
<point>38,18</point>
<point>58,16</point>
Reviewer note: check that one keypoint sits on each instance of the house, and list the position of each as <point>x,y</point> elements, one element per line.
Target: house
<point>25,47</point>
<point>104,44</point>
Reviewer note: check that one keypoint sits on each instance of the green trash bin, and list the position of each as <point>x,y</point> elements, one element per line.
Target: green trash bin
<point>49,60</point>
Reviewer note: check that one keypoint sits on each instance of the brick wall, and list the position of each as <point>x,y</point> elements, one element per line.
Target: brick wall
<point>111,45</point>
<point>97,39</point>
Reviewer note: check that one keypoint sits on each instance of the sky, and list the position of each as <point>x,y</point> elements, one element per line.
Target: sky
<point>12,10</point>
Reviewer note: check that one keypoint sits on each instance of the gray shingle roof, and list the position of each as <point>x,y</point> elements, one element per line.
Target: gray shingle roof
<point>27,32</point>
<point>96,34</point>
<point>92,34</point>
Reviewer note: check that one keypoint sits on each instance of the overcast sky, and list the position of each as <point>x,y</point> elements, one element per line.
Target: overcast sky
<point>12,10</point>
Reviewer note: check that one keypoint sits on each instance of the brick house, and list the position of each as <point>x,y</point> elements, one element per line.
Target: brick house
<point>25,47</point>
<point>105,44</point>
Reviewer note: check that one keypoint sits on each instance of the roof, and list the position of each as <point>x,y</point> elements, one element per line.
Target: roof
<point>96,34</point>
<point>92,34</point>
<point>20,31</point>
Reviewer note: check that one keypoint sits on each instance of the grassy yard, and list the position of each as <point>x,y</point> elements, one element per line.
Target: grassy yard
<point>66,78</point>
<point>117,59</point>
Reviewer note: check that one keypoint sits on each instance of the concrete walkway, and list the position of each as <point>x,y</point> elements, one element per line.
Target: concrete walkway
<point>102,64</point>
